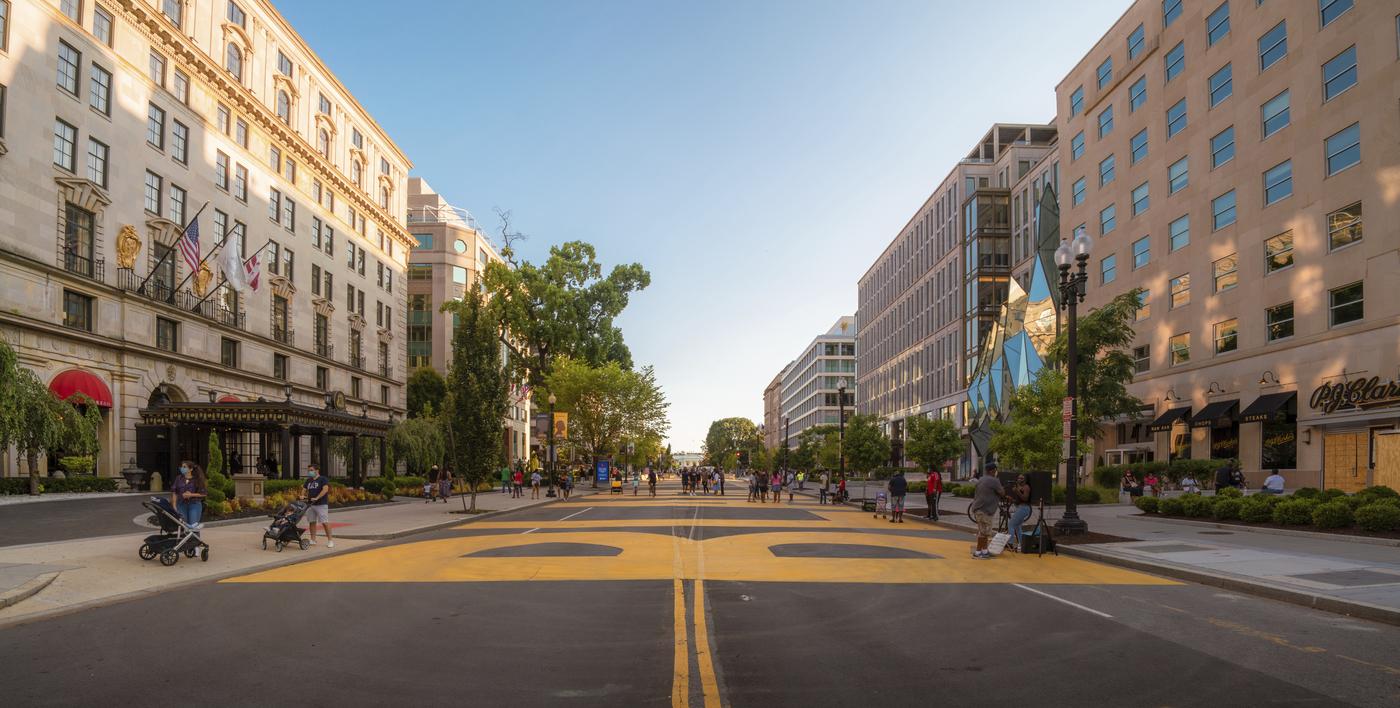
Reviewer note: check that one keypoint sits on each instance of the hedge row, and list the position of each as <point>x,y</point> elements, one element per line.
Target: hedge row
<point>20,485</point>
<point>1111,476</point>
<point>1375,509</point>
<point>1084,495</point>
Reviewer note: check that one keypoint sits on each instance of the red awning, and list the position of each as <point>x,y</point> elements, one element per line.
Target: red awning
<point>229,398</point>
<point>75,381</point>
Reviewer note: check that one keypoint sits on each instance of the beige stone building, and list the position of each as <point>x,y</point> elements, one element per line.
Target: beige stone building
<point>119,120</point>
<point>450,252</point>
<point>1240,162</point>
<point>773,412</point>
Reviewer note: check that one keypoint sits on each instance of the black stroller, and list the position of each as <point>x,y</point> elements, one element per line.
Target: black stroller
<point>284,530</point>
<point>175,535</point>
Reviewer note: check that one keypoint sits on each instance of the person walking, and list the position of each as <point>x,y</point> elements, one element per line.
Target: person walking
<point>318,500</point>
<point>898,487</point>
<point>933,489</point>
<point>802,480</point>
<point>517,481</point>
<point>651,483</point>
<point>636,482</point>
<point>986,498</point>
<point>1020,494</point>
<point>188,493</point>
<point>825,489</point>
<point>705,483</point>
<point>445,484</point>
<point>777,485</point>
<point>719,481</point>
<point>791,485</point>
<point>431,487</point>
<point>535,480</point>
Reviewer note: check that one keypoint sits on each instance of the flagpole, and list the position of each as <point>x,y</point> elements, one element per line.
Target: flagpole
<point>194,271</point>
<point>224,279</point>
<point>142,287</point>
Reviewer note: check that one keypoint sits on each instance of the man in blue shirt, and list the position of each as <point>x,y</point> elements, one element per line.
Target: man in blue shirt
<point>318,499</point>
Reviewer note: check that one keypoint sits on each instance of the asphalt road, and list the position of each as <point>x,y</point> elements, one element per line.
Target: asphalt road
<point>42,522</point>
<point>637,602</point>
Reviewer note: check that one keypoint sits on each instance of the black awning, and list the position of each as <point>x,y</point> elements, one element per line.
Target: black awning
<point>1265,406</point>
<point>1215,411</point>
<point>1164,422</point>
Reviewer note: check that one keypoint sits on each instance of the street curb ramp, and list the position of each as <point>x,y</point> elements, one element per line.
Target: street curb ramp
<point>27,590</point>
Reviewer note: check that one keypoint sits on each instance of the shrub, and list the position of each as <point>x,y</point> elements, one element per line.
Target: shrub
<point>1086,495</point>
<point>1293,512</point>
<point>14,485</point>
<point>1149,505</point>
<point>381,485</point>
<point>75,484</point>
<point>76,464</point>
<point>1378,517</point>
<point>221,483</point>
<point>1333,494</point>
<point>1228,508</point>
<point>1057,494</point>
<point>1307,492</point>
<point>277,486</point>
<point>1229,493</point>
<point>1256,509</point>
<point>1173,506</point>
<point>1374,494</point>
<point>958,490</point>
<point>216,496</point>
<point>917,487</point>
<point>1196,506</point>
<point>215,508</point>
<point>1332,515</point>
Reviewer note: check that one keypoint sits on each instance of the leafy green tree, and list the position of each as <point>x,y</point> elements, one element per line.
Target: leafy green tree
<point>426,390</point>
<point>1029,440</point>
<point>932,442</point>
<point>728,437</point>
<point>866,445</point>
<point>342,447</point>
<point>34,420</point>
<point>418,442</point>
<point>477,391</point>
<point>563,308</point>
<point>1106,366</point>
<point>216,457</point>
<point>609,405</point>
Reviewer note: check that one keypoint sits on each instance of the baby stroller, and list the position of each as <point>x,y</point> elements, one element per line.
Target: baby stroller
<point>175,535</point>
<point>284,531</point>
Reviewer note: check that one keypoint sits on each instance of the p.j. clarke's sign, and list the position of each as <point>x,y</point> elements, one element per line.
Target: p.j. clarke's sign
<point>1362,393</point>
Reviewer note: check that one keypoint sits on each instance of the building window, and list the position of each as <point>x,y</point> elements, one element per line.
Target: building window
<point>356,174</point>
<point>69,59</point>
<point>1142,252</point>
<point>221,170</point>
<point>101,25</point>
<point>174,10</point>
<point>1176,118</point>
<point>64,139</point>
<point>1180,291</point>
<point>77,310</point>
<point>1139,145</point>
<point>154,188</point>
<point>100,90</point>
<point>97,162</point>
<point>315,279</point>
<point>180,86</point>
<point>1278,253</point>
<point>236,15</point>
<point>1142,359</point>
<point>354,387</point>
<point>240,183</point>
<point>180,142</point>
<point>233,61</point>
<point>1222,147</point>
<point>1339,74</point>
<point>323,144</point>
<point>224,118</point>
<point>1226,272</point>
<point>1171,9</point>
<point>284,65</point>
<point>1105,72</point>
<point>1227,336</point>
<point>156,68</point>
<point>383,389</point>
<point>78,243</point>
<point>1076,102</point>
<point>228,352</point>
<point>323,378</point>
<point>1179,175</point>
<point>420,332</point>
<point>1343,149</point>
<point>1273,46</point>
<point>177,204</point>
<point>167,335</point>
<point>1140,199</point>
<point>1218,23</point>
<point>1144,309</point>
<point>1137,94</point>
<point>279,367</point>
<point>1274,113</point>
<point>1223,210</point>
<point>274,257</point>
<point>1106,170</point>
<point>325,104</point>
<point>1222,84</point>
<point>1278,182</point>
<point>1135,42</point>
<point>1108,269</point>
<point>1344,227</point>
<point>155,126</point>
<point>1180,346</point>
<point>240,133</point>
<point>356,139</point>
<point>1108,219</point>
<point>1279,319</point>
<point>1175,60</point>
<point>1332,9</point>
<point>288,261</point>
<point>383,166</point>
<point>289,215</point>
<point>459,275</point>
<point>1346,304</point>
<point>274,204</point>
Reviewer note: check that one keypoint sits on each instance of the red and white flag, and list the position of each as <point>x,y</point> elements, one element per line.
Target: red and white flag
<point>252,272</point>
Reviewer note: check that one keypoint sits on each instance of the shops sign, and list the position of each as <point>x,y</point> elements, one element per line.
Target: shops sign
<point>1362,393</point>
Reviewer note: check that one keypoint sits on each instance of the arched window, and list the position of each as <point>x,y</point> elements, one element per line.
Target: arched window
<point>355,174</point>
<point>384,197</point>
<point>323,143</point>
<point>284,107</point>
<point>234,61</point>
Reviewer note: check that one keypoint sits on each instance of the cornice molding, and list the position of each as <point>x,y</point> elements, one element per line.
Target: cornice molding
<point>166,231</point>
<point>323,306</point>
<point>282,287</point>
<point>386,335</point>
<point>280,80</point>
<point>83,193</point>
<point>357,322</point>
<point>324,121</point>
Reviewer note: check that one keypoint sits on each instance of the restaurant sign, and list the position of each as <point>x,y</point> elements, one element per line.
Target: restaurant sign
<point>1360,394</point>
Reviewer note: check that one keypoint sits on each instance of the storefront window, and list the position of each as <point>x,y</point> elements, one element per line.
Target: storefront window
<point>1225,442</point>
<point>1181,442</point>
<point>1279,446</point>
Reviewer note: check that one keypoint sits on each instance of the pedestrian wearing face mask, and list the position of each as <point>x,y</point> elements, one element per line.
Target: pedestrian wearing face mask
<point>188,492</point>
<point>318,499</point>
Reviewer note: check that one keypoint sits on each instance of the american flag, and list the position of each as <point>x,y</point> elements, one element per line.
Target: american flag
<point>189,244</point>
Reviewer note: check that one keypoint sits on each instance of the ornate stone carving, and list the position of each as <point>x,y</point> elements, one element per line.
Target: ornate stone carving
<point>83,193</point>
<point>386,335</point>
<point>281,81</point>
<point>282,287</point>
<point>323,306</point>
<point>165,231</point>
<point>170,372</point>
<point>202,278</point>
<point>357,322</point>
<point>237,34</point>
<point>128,245</point>
<point>324,121</point>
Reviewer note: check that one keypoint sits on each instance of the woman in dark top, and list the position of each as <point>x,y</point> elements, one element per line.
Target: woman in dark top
<point>189,491</point>
<point>1020,495</point>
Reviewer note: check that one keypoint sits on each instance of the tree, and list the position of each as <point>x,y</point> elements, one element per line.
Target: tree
<point>418,442</point>
<point>477,391</point>
<point>1106,367</point>
<point>1029,440</point>
<point>34,420</point>
<point>731,436</point>
<point>426,389</point>
<point>932,442</point>
<point>866,445</point>
<point>342,448</point>
<point>563,308</point>
<point>610,405</point>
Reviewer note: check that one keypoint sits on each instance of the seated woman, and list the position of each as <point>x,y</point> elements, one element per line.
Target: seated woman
<point>1131,485</point>
<point>1020,495</point>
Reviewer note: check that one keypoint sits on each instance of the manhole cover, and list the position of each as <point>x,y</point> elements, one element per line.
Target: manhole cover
<point>1351,578</point>
<point>1216,533</point>
<point>1170,548</point>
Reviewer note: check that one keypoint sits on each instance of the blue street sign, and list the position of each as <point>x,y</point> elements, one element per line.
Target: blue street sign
<point>601,470</point>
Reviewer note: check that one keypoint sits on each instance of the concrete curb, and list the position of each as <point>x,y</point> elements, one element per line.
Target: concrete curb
<point>27,590</point>
<point>464,519</point>
<point>1351,608</point>
<point>1367,540</point>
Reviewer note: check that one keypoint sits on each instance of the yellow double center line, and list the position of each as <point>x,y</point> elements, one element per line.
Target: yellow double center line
<point>680,682</point>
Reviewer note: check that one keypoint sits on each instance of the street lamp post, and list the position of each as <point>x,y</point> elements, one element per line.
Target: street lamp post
<point>552,478</point>
<point>841,432</point>
<point>1071,294</point>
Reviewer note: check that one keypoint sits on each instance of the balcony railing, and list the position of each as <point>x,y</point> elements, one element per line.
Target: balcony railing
<point>386,370</point>
<point>282,333</point>
<point>157,290</point>
<point>357,361</point>
<point>84,266</point>
<point>325,349</point>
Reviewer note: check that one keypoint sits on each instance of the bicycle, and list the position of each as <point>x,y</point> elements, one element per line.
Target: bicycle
<point>1003,515</point>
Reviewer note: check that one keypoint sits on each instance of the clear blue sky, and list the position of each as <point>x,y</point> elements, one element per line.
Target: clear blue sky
<point>755,156</point>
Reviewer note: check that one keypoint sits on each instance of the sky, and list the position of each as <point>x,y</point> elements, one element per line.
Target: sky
<point>755,156</point>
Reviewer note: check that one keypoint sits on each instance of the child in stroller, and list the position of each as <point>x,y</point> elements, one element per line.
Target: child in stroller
<point>284,530</point>
<point>175,535</point>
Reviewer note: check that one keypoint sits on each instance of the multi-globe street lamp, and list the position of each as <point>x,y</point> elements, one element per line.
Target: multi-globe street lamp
<point>1071,294</point>
<point>841,429</point>
<point>552,479</point>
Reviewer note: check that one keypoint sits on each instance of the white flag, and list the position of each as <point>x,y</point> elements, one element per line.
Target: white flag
<point>232,266</point>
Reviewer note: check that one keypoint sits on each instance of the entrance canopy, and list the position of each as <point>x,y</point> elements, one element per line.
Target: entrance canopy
<point>255,415</point>
<point>1264,407</point>
<point>75,381</point>
<point>1216,411</point>
<point>1165,421</point>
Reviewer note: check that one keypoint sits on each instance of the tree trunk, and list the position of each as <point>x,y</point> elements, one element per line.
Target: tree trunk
<point>473,509</point>
<point>33,457</point>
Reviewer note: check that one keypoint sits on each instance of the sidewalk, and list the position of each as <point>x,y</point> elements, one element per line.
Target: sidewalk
<point>1324,572</point>
<point>44,579</point>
